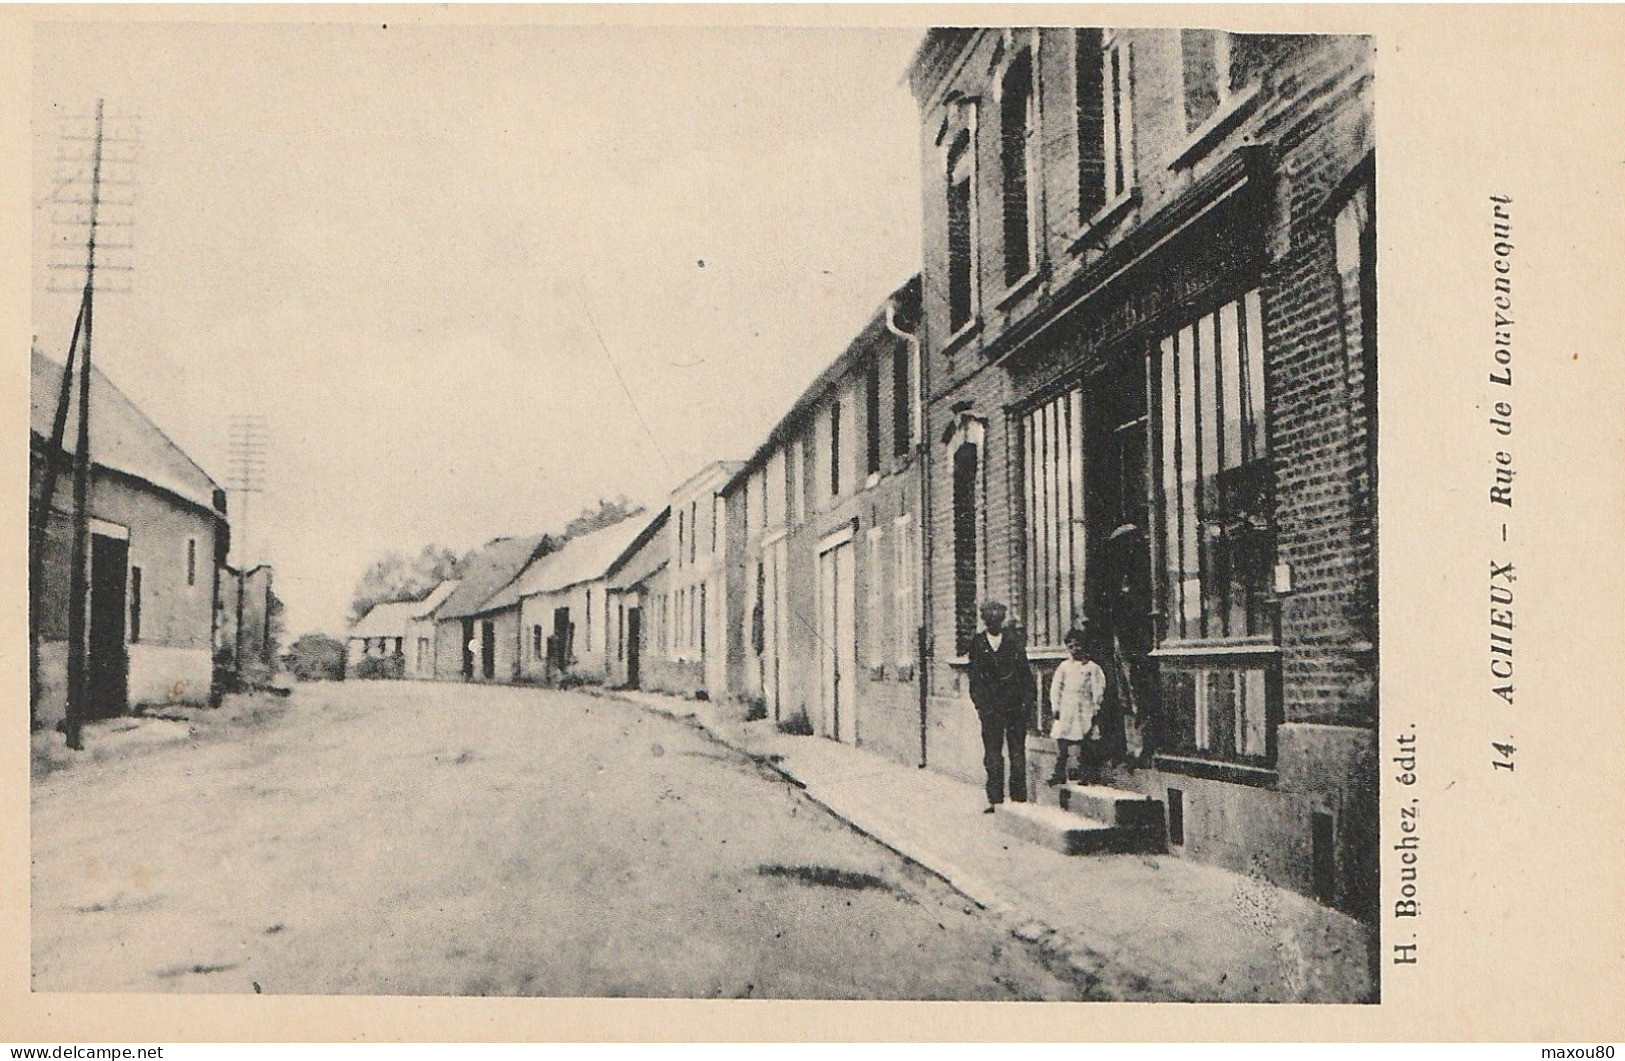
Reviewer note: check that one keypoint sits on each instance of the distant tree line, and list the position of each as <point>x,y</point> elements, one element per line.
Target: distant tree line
<point>395,576</point>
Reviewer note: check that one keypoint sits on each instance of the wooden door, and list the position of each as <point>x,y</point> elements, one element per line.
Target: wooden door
<point>837,642</point>
<point>634,647</point>
<point>108,674</point>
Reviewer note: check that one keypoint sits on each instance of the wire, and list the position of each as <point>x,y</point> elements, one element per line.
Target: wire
<point>633,402</point>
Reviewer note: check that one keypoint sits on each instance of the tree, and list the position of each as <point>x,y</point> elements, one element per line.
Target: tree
<point>397,577</point>
<point>608,513</point>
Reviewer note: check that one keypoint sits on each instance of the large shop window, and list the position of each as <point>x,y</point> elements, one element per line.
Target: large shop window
<point>1217,541</point>
<point>1052,462</point>
<point>1220,713</point>
<point>1217,484</point>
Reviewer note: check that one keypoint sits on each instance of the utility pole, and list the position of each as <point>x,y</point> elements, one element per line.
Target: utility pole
<point>248,442</point>
<point>78,586</point>
<point>69,191</point>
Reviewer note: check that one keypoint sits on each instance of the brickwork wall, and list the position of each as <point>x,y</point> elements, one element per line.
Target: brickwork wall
<point>1312,106</point>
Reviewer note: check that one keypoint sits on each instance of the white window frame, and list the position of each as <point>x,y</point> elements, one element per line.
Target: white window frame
<point>1117,117</point>
<point>905,588</point>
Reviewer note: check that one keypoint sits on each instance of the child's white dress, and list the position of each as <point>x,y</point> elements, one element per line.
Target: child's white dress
<point>1074,695</point>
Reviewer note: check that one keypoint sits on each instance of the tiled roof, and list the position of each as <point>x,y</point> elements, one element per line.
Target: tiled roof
<point>591,556</point>
<point>488,571</point>
<point>385,620</point>
<point>122,437</point>
<point>648,558</point>
<point>437,596</point>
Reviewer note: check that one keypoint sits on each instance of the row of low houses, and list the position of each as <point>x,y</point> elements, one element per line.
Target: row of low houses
<point>1133,383</point>
<point>640,603</point>
<point>167,620</point>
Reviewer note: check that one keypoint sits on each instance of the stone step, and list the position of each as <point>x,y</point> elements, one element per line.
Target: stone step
<point>1114,806</point>
<point>1051,827</point>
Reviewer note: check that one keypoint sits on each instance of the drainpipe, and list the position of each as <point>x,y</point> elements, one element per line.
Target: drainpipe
<point>922,540</point>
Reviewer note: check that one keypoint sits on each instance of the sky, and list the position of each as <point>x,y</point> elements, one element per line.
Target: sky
<point>476,278</point>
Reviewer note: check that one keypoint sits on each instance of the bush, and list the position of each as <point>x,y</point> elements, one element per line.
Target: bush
<point>755,709</point>
<point>797,725</point>
<point>380,667</point>
<point>575,680</point>
<point>315,657</point>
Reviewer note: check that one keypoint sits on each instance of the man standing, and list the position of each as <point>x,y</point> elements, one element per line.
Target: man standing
<point>1003,690</point>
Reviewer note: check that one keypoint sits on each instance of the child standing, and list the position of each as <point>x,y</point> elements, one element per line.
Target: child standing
<point>1075,694</point>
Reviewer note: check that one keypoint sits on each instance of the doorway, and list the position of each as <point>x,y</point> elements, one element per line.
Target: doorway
<point>468,650</point>
<point>837,643</point>
<point>108,673</point>
<point>634,650</point>
<point>488,649</point>
<point>1119,542</point>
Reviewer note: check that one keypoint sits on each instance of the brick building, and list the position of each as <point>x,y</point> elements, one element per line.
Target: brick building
<point>1149,352</point>
<point>824,598</point>
<point>158,537</point>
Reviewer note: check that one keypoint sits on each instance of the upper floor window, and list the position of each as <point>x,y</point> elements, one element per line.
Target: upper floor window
<point>191,561</point>
<point>871,409</point>
<point>1105,119</point>
<point>1018,126</point>
<point>682,536</point>
<point>961,236</point>
<point>756,502</point>
<point>135,604</point>
<point>693,529</point>
<point>774,486</point>
<point>1208,73</point>
<point>716,516</point>
<point>835,447</point>
<point>797,485</point>
<point>902,402</point>
<point>1118,113</point>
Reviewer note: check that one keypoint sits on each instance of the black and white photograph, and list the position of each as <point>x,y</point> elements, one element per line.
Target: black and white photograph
<point>732,523</point>
<point>704,512</point>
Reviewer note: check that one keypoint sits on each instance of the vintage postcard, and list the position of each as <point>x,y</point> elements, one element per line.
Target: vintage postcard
<point>781,509</point>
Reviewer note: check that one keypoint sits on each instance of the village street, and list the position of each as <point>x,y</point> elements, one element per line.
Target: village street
<point>418,838</point>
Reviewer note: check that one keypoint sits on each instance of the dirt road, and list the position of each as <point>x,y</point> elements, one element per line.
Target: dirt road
<point>436,839</point>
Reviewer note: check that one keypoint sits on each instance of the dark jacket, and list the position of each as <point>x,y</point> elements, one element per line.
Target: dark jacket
<point>1001,681</point>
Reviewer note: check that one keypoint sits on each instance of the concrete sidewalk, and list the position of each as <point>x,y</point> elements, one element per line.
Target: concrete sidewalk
<point>1139,926</point>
